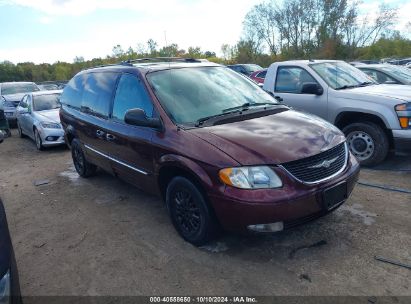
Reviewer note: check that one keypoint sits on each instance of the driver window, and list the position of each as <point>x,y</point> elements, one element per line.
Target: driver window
<point>291,79</point>
<point>383,78</point>
<point>130,94</point>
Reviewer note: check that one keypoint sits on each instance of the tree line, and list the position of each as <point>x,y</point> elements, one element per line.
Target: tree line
<point>293,29</point>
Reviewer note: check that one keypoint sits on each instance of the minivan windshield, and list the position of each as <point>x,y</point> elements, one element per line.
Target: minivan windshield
<point>18,88</point>
<point>340,75</point>
<point>46,102</point>
<point>191,94</point>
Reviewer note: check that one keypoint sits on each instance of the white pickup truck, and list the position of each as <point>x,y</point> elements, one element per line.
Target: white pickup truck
<point>374,117</point>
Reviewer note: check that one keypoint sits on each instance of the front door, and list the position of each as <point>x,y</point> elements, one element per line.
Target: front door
<point>130,146</point>
<point>23,115</point>
<point>288,86</point>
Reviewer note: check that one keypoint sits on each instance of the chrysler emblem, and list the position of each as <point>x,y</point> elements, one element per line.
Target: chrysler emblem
<point>324,164</point>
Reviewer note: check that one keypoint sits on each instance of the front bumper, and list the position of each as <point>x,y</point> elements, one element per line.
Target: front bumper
<point>52,137</point>
<point>294,204</point>
<point>402,140</point>
<point>11,115</point>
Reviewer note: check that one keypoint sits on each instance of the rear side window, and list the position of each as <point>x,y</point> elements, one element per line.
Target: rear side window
<point>98,92</point>
<point>131,94</point>
<point>73,92</point>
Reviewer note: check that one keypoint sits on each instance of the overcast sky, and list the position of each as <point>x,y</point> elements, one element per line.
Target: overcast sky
<point>59,30</point>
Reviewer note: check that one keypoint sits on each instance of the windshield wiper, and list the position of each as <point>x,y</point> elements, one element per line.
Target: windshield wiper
<point>247,105</point>
<point>366,83</point>
<point>346,87</point>
<point>202,120</point>
<point>362,84</point>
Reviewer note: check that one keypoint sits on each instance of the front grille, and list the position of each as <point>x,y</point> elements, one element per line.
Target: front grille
<point>319,167</point>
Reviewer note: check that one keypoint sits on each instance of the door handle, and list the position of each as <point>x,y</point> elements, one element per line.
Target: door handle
<point>110,137</point>
<point>100,134</point>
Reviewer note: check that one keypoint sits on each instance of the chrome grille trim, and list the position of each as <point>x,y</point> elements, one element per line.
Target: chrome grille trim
<point>343,167</point>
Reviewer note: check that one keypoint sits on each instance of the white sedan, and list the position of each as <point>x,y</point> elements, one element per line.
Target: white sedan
<point>38,118</point>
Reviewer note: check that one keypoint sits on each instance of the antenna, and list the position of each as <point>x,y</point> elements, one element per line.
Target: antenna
<point>169,51</point>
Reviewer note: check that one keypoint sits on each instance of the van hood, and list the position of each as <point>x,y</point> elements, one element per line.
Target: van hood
<point>397,91</point>
<point>273,139</point>
<point>49,116</point>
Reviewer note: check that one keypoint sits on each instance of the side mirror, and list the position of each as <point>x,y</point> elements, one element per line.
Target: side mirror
<point>1,136</point>
<point>23,111</point>
<point>312,88</point>
<point>138,117</point>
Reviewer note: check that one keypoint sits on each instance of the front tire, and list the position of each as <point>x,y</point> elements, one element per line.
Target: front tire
<point>83,167</point>
<point>21,134</point>
<point>37,139</point>
<point>191,215</point>
<point>368,142</point>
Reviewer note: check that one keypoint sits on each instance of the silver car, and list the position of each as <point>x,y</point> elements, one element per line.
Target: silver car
<point>387,73</point>
<point>11,93</point>
<point>38,118</point>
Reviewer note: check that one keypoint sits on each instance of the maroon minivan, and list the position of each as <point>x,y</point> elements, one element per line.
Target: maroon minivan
<point>222,152</point>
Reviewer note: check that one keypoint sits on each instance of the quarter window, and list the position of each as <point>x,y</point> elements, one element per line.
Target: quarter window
<point>131,94</point>
<point>291,79</point>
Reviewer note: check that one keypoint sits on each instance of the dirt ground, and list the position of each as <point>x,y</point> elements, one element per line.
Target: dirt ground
<point>101,236</point>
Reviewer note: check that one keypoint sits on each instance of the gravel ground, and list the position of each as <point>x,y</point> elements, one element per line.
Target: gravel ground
<point>101,236</point>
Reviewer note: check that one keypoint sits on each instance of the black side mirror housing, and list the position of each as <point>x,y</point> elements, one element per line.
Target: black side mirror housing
<point>137,117</point>
<point>312,88</point>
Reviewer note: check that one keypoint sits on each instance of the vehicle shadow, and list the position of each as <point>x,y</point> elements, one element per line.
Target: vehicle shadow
<point>395,162</point>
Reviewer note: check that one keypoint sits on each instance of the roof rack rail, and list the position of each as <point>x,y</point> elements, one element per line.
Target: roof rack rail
<point>167,59</point>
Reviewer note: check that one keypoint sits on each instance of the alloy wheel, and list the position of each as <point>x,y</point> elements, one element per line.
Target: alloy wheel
<point>187,212</point>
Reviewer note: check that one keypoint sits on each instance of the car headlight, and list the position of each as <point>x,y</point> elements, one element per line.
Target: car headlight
<point>5,289</point>
<point>50,125</point>
<point>258,177</point>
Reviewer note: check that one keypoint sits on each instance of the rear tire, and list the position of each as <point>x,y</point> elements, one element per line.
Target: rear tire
<point>83,167</point>
<point>368,142</point>
<point>192,217</point>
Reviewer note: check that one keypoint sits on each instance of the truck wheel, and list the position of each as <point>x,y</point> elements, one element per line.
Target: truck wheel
<point>368,142</point>
<point>190,213</point>
<point>83,167</point>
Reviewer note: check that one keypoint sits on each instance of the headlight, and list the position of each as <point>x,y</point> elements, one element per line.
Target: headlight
<point>50,125</point>
<point>404,115</point>
<point>5,289</point>
<point>260,177</point>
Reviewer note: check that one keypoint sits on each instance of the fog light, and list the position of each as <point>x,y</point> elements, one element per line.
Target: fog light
<point>273,227</point>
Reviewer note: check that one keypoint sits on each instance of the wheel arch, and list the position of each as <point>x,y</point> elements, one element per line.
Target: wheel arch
<point>70,134</point>
<point>175,165</point>
<point>343,119</point>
